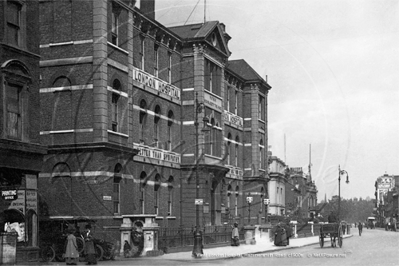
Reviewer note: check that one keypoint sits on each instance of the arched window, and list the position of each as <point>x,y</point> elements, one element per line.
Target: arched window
<point>236,151</point>
<point>229,191</point>
<point>116,85</point>
<point>157,118</point>
<point>261,154</point>
<point>31,228</point>
<point>170,197</point>
<point>236,201</point>
<point>213,137</point>
<point>115,24</point>
<point>16,99</point>
<point>62,111</point>
<point>142,119</point>
<point>262,197</point>
<point>157,185</point>
<point>156,60</point>
<point>143,182</point>
<point>117,188</point>
<point>62,183</point>
<point>142,52</point>
<point>170,132</point>
<point>229,149</point>
<point>228,98</point>
<point>236,102</point>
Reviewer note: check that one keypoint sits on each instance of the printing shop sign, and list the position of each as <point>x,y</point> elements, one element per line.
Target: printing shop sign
<point>9,194</point>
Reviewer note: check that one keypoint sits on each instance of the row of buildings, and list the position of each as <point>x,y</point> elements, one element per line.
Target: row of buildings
<point>386,198</point>
<point>292,191</point>
<point>109,116</point>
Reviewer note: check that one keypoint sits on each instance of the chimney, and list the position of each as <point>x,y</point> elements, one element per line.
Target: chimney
<point>147,7</point>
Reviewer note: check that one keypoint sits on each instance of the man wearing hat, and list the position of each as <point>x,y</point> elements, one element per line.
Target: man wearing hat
<point>235,237</point>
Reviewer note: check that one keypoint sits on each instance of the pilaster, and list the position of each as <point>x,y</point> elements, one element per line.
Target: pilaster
<point>100,94</point>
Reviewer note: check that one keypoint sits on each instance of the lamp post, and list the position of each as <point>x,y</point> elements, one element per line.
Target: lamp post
<point>266,202</point>
<point>249,200</point>
<point>197,249</point>
<point>341,172</point>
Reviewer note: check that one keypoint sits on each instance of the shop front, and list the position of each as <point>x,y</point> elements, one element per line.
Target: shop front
<point>19,217</point>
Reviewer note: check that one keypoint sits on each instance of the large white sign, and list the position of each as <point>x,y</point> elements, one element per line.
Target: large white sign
<point>235,172</point>
<point>156,83</point>
<point>153,153</point>
<point>213,102</point>
<point>233,119</point>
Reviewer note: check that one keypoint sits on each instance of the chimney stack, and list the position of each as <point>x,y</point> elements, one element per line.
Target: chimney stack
<point>147,7</point>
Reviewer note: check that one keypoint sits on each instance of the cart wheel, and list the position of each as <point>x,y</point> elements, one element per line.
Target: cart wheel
<point>321,240</point>
<point>59,257</point>
<point>47,253</point>
<point>340,237</point>
<point>99,252</point>
<point>81,244</point>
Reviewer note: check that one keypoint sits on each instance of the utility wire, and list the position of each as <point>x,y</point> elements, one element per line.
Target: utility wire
<point>192,12</point>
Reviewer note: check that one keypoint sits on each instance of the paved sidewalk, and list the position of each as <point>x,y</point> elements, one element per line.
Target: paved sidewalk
<point>262,245</point>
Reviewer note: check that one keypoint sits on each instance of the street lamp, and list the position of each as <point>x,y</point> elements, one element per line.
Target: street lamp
<point>341,172</point>
<point>197,249</point>
<point>266,202</point>
<point>249,201</point>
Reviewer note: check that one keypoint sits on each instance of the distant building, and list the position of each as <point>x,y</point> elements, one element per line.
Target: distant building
<point>301,194</point>
<point>386,196</point>
<point>278,187</point>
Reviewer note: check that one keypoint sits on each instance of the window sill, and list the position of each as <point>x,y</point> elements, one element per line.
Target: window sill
<point>118,48</point>
<point>118,133</point>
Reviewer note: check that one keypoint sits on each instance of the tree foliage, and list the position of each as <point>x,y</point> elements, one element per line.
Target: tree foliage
<point>351,210</point>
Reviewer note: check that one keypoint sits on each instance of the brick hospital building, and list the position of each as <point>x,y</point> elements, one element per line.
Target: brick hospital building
<point>132,112</point>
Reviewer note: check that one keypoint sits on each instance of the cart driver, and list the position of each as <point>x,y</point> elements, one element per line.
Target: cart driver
<point>332,218</point>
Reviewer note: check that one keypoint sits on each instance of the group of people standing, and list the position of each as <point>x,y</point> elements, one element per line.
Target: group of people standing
<point>282,234</point>
<point>71,250</point>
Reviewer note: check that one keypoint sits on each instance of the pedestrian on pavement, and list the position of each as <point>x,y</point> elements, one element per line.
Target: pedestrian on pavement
<point>89,246</point>
<point>71,251</point>
<point>288,231</point>
<point>360,226</point>
<point>280,236</point>
<point>126,249</point>
<point>235,237</point>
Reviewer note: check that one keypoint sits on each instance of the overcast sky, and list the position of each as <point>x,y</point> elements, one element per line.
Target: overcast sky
<point>334,70</point>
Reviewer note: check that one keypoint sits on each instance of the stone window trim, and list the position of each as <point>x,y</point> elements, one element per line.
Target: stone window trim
<point>19,26</point>
<point>115,24</point>
<point>14,73</point>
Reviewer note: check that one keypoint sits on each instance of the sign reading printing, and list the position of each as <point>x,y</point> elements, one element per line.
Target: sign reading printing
<point>19,203</point>
<point>156,83</point>
<point>10,194</point>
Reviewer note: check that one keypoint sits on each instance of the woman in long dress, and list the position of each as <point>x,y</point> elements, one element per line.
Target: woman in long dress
<point>71,252</point>
<point>89,247</point>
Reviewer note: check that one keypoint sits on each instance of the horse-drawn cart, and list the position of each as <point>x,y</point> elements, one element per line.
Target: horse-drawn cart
<point>332,230</point>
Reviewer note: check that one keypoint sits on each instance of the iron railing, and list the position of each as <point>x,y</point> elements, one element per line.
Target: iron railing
<point>182,237</point>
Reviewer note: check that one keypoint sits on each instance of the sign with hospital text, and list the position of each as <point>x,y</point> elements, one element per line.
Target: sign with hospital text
<point>156,84</point>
